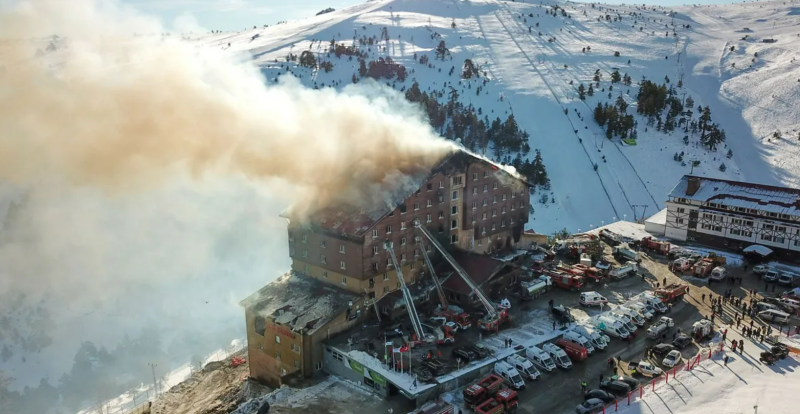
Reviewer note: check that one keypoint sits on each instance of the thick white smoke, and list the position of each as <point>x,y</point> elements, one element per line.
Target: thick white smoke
<point>148,173</point>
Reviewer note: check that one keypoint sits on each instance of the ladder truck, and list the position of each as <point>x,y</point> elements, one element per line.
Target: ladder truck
<point>494,318</point>
<point>419,335</point>
<point>450,312</point>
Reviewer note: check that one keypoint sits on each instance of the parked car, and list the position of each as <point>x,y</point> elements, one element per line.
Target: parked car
<point>672,358</point>
<point>590,406</point>
<point>465,354</point>
<point>480,350</point>
<point>682,341</point>
<point>634,384</point>
<point>561,313</point>
<point>771,275</point>
<point>618,388</point>
<point>661,350</point>
<point>600,395</point>
<point>760,269</point>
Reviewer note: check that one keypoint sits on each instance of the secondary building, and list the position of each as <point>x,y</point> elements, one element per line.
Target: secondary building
<point>734,215</point>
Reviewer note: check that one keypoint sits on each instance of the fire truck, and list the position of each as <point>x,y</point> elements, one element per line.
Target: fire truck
<point>660,247</point>
<point>590,272</point>
<point>504,401</point>
<point>566,280</point>
<point>482,390</point>
<point>435,407</point>
<point>454,314</point>
<point>671,292</point>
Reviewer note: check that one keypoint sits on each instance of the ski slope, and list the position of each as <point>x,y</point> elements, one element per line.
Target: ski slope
<point>536,80</point>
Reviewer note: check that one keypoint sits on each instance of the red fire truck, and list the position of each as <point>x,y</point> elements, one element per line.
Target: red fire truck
<point>657,246</point>
<point>671,292</point>
<point>482,390</point>
<point>566,280</point>
<point>504,401</point>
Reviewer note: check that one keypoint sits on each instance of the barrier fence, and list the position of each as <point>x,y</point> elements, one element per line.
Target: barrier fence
<point>684,365</point>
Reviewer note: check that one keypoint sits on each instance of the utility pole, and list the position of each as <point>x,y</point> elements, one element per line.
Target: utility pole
<point>155,384</point>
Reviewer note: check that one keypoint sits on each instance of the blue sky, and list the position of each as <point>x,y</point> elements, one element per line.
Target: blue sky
<point>240,14</point>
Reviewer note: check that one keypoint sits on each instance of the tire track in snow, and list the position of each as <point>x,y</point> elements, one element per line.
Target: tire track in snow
<point>590,109</point>
<point>550,88</point>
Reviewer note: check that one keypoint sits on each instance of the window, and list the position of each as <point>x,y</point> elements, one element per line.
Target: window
<point>494,186</point>
<point>473,219</point>
<point>485,174</point>
<point>388,229</point>
<point>513,207</point>
<point>494,212</point>
<point>485,202</point>
<point>305,253</point>
<point>441,215</point>
<point>480,242</point>
<point>278,354</point>
<point>454,239</point>
<point>521,204</point>
<point>277,339</point>
<point>457,180</point>
<point>679,221</point>
<point>485,188</point>
<point>260,346</point>
<point>430,186</point>
<point>454,210</point>
<point>375,267</point>
<point>429,203</point>
<point>413,265</point>
<point>494,200</point>
<point>453,224</point>
<point>483,230</point>
<point>388,262</point>
<point>474,190</point>
<point>428,218</point>
<point>342,265</point>
<point>385,290</point>
<point>297,364</point>
<point>441,183</point>
<point>304,239</point>
<point>374,233</point>
<point>402,209</point>
<point>502,223</point>
<point>455,195</point>
<point>402,257</point>
<point>324,274</point>
<point>513,194</point>
<point>295,348</point>
<point>374,250</point>
<point>483,216</point>
<point>494,227</point>
<point>403,241</point>
<point>322,244</point>
<point>503,210</point>
<point>416,252</point>
<point>402,225</point>
<point>474,205</point>
<point>341,248</point>
<point>505,196</point>
<point>781,230</point>
<point>441,199</point>
<point>385,277</point>
<point>681,210</point>
<point>323,259</point>
<point>344,279</point>
<point>318,366</point>
<point>416,205</point>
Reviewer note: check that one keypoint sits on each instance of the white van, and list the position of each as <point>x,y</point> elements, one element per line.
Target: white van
<point>771,275</point>
<point>592,299</point>
<point>790,303</point>
<point>580,340</point>
<point>653,301</point>
<point>625,319</point>
<point>612,327</point>
<point>773,315</point>
<point>540,358</point>
<point>599,341</point>
<point>641,308</point>
<point>558,355</point>
<point>635,316</point>
<point>510,375</point>
<point>787,279</point>
<point>523,366</point>
<point>719,273</point>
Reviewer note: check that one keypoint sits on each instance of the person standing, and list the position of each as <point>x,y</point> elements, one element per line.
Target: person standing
<point>726,360</point>
<point>703,297</point>
<point>583,386</point>
<point>601,379</point>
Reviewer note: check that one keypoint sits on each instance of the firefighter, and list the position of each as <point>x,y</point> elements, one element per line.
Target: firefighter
<point>583,386</point>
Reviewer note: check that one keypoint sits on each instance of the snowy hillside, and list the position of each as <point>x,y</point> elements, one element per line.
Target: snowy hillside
<point>535,56</point>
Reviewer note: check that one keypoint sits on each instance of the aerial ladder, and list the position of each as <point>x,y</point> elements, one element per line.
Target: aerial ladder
<point>451,313</point>
<point>493,318</point>
<point>412,311</point>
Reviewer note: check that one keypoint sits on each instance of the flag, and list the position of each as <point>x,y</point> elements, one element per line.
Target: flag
<point>404,348</point>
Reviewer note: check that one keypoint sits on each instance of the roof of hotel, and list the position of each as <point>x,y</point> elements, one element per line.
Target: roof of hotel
<point>480,268</point>
<point>780,200</point>
<point>302,303</point>
<point>358,222</point>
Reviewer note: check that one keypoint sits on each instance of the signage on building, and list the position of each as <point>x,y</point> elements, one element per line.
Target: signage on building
<point>356,366</point>
<point>378,378</point>
<point>281,330</point>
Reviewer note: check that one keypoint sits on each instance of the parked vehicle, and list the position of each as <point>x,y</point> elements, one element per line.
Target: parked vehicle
<point>455,315</point>
<point>612,327</point>
<point>606,396</point>
<point>760,269</point>
<point>590,406</point>
<point>566,280</point>
<point>523,366</point>
<point>625,319</point>
<point>540,358</point>
<point>562,314</point>
<point>580,340</point>
<point>662,350</point>
<point>681,264</point>
<point>787,279</point>
<point>719,273</point>
<point>591,273</point>
<point>771,275</point>
<point>504,401</point>
<point>480,350</point>
<point>652,300</point>
<point>509,374</point>
<point>613,239</point>
<point>599,341</point>
<point>671,292</point>
<point>574,350</point>
<point>635,316</point>
<point>615,387</point>
<point>535,288</point>
<point>775,316</point>
<point>623,253</point>
<point>790,303</point>
<point>592,299</point>
<point>657,246</point>
<point>762,306</point>
<point>643,310</point>
<point>559,356</point>
<point>662,325</point>
<point>628,380</point>
<point>702,329</point>
<point>647,368</point>
<point>465,354</point>
<point>682,341</point>
<point>672,358</point>
<point>435,407</point>
<point>485,388</point>
<point>624,271</point>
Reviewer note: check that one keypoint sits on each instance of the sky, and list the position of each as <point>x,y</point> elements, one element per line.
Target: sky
<point>241,14</point>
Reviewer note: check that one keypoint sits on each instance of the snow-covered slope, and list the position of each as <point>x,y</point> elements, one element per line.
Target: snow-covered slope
<point>536,79</point>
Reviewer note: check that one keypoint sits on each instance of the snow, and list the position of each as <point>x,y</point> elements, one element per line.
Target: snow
<point>732,194</point>
<point>627,229</point>
<point>511,256</point>
<point>658,218</point>
<point>757,248</point>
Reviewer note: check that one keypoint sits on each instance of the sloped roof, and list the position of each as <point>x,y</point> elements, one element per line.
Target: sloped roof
<point>780,200</point>
<point>302,303</point>
<point>355,222</point>
<point>480,268</point>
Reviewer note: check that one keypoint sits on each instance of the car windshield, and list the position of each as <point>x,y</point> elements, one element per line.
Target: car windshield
<point>516,378</point>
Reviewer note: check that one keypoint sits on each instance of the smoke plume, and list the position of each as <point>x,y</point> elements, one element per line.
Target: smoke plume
<point>144,165</point>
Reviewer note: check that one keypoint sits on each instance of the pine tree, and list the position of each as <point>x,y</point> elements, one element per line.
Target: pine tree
<point>615,77</point>
<point>362,68</point>
<point>308,60</point>
<point>722,167</point>
<point>590,92</point>
<point>442,50</point>
<point>582,91</point>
